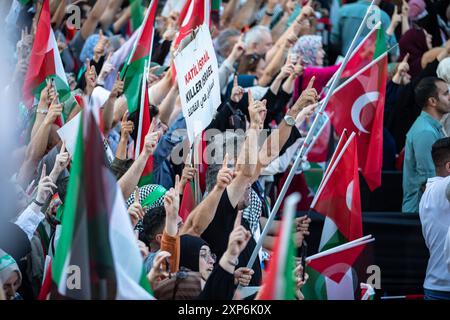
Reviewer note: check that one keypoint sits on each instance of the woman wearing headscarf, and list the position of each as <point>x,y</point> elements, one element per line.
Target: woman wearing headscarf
<point>217,280</point>
<point>416,42</point>
<point>310,49</point>
<point>10,276</point>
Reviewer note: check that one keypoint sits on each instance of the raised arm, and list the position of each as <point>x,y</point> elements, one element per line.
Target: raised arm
<point>93,18</point>
<point>108,107</point>
<point>204,212</point>
<point>270,150</point>
<point>109,14</point>
<point>228,12</point>
<point>131,178</point>
<point>248,156</point>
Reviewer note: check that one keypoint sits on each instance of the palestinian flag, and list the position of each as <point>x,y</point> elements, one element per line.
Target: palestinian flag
<point>144,127</point>
<point>97,256</point>
<point>45,63</point>
<point>331,273</point>
<point>137,14</point>
<point>279,284</point>
<point>358,106</point>
<point>338,197</point>
<point>367,292</point>
<point>140,55</point>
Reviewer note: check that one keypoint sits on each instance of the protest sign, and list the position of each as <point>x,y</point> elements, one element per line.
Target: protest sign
<point>198,82</point>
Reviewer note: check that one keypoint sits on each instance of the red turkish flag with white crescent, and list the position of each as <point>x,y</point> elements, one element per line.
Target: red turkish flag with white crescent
<point>338,196</point>
<point>194,14</point>
<point>358,106</point>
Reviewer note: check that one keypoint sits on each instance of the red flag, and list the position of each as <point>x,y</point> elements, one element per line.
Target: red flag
<point>335,265</point>
<point>145,125</point>
<point>358,106</point>
<point>338,197</point>
<point>319,151</point>
<point>194,14</point>
<point>362,55</point>
<point>187,202</point>
<point>45,62</point>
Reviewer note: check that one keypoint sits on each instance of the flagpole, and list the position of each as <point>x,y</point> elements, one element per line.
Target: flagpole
<point>342,247</point>
<point>301,155</point>
<point>335,163</point>
<point>147,14</point>
<point>137,151</point>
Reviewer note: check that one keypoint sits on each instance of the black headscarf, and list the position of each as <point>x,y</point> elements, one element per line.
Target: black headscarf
<point>190,251</point>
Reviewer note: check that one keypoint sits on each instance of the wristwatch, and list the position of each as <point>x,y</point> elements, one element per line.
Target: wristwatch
<point>42,111</point>
<point>290,121</point>
<point>234,262</point>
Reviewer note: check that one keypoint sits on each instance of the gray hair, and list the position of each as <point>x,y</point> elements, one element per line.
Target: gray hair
<point>222,42</point>
<point>254,34</point>
<point>443,70</point>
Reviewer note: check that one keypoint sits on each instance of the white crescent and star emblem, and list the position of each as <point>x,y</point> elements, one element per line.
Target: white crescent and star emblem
<point>359,105</point>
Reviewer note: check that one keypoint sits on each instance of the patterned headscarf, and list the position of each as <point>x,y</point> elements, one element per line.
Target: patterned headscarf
<point>88,48</point>
<point>308,47</point>
<point>151,196</point>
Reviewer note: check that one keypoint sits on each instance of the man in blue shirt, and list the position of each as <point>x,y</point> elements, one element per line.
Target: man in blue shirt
<point>349,19</point>
<point>432,94</point>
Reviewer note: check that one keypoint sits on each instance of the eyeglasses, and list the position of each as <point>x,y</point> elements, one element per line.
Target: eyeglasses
<point>205,255</point>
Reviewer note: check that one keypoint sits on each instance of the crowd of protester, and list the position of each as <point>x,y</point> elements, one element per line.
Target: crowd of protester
<point>267,54</point>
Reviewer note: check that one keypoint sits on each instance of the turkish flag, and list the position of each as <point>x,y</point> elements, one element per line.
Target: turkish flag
<point>194,14</point>
<point>358,106</point>
<point>338,196</point>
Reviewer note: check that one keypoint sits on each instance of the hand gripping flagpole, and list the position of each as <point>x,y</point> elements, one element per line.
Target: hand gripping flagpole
<point>309,137</point>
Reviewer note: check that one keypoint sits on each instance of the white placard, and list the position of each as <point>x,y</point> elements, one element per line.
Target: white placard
<point>69,133</point>
<point>198,82</point>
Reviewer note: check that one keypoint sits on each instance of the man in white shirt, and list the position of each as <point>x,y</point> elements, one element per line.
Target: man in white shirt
<point>434,210</point>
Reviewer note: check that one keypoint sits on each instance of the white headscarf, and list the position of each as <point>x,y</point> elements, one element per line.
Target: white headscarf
<point>7,266</point>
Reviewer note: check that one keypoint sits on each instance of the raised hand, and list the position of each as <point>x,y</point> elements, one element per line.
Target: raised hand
<point>55,111</point>
<point>151,139</point>
<point>117,89</point>
<point>61,162</point>
<point>157,274</point>
<point>396,17</point>
<point>225,175</point>
<point>172,200</point>
<point>45,187</point>
<point>126,127</point>
<point>90,77</point>
<point>402,76</point>
<point>306,113</point>
<point>237,92</point>
<point>45,100</point>
<point>187,175</point>
<point>238,49</point>
<point>136,211</point>
<point>107,68</point>
<point>307,11</point>
<point>100,47</point>
<point>257,111</point>
<point>308,97</point>
<point>238,239</point>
